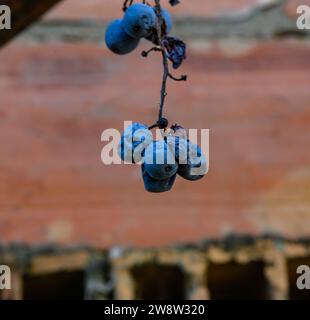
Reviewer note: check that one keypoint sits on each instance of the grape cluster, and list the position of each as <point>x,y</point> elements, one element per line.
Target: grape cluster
<point>140,21</point>
<point>162,160</point>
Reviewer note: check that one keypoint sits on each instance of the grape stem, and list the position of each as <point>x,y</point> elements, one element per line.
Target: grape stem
<point>163,92</point>
<point>127,4</point>
<point>166,73</point>
<point>182,78</point>
<point>146,53</point>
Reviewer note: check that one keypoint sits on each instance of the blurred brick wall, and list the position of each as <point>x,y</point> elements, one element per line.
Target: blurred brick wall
<point>57,96</point>
<point>108,9</point>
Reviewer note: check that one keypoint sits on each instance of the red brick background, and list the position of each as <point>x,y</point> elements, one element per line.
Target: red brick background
<point>57,98</point>
<point>107,9</point>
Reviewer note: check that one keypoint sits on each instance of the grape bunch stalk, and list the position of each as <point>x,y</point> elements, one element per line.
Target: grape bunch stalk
<point>178,155</point>
<point>154,24</point>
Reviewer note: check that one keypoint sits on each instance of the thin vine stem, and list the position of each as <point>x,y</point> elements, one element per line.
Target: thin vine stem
<point>163,92</point>
<point>146,53</point>
<point>182,78</point>
<point>160,47</point>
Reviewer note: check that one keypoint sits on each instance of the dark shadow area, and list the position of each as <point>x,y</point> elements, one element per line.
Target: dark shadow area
<point>60,285</point>
<point>158,282</point>
<point>237,281</point>
<point>294,292</point>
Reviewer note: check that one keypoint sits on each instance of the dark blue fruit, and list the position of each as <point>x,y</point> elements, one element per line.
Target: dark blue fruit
<point>188,172</point>
<point>192,163</point>
<point>133,142</point>
<point>180,147</point>
<point>176,51</point>
<point>117,40</point>
<point>159,161</point>
<point>157,186</point>
<point>139,19</point>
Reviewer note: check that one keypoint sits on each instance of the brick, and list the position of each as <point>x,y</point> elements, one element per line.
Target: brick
<point>48,263</point>
<point>59,98</point>
<point>109,9</point>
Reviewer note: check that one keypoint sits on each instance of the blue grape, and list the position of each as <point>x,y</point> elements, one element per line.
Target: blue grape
<point>133,142</point>
<point>188,171</point>
<point>159,161</point>
<point>157,186</point>
<point>117,40</point>
<point>192,163</point>
<point>139,20</point>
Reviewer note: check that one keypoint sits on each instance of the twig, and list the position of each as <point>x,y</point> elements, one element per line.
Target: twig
<point>159,38</point>
<point>163,92</point>
<point>127,3</point>
<point>146,53</point>
<point>182,78</point>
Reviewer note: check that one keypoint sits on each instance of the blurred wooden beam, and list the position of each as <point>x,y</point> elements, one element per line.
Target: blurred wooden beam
<point>24,13</point>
